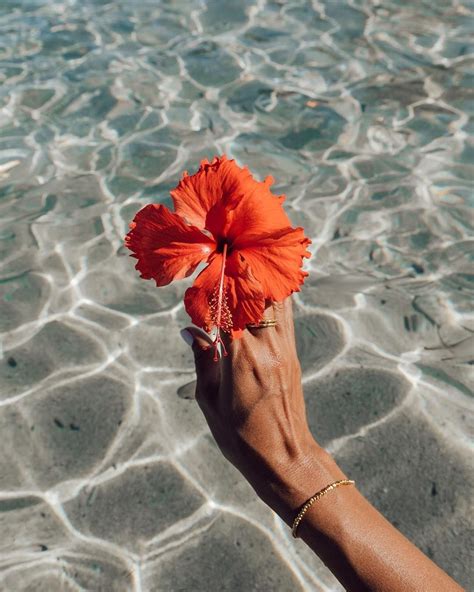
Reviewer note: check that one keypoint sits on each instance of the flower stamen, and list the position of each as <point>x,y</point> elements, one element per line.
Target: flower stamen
<point>219,310</point>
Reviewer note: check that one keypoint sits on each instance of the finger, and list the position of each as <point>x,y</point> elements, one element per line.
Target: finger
<point>262,338</point>
<point>207,370</point>
<point>282,313</point>
<point>283,331</point>
<point>268,315</point>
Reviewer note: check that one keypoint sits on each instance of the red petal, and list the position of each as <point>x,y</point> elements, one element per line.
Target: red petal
<point>255,211</point>
<point>244,294</point>
<point>275,260</point>
<point>166,247</point>
<point>226,200</point>
<point>195,195</point>
<point>196,298</point>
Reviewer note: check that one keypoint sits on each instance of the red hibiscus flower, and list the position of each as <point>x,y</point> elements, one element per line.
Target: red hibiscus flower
<point>225,217</point>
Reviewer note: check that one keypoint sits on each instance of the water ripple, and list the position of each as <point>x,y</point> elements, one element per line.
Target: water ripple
<point>362,111</point>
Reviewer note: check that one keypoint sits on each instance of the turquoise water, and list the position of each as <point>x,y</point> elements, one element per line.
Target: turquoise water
<point>109,478</point>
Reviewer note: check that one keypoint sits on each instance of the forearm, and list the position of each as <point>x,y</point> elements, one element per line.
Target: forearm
<point>361,548</point>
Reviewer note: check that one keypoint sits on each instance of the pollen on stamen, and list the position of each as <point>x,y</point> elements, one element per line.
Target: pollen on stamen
<point>219,312</point>
<point>220,317</point>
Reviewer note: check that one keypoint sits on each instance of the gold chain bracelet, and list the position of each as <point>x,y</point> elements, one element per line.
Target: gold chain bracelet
<point>315,498</point>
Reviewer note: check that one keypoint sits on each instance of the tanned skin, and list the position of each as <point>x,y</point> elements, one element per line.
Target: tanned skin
<point>253,402</point>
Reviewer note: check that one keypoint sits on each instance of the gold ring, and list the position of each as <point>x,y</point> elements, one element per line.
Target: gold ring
<point>263,324</point>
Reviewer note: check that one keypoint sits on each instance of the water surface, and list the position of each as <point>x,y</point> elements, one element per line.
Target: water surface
<point>109,478</point>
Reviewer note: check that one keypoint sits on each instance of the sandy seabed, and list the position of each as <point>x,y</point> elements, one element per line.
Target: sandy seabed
<point>109,478</point>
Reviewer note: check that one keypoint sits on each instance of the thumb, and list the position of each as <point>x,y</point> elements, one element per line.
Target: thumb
<point>207,370</point>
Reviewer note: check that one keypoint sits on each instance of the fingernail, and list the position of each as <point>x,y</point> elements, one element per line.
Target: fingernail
<point>187,336</point>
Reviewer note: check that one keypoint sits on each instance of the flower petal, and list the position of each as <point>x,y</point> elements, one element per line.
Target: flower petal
<point>256,210</point>
<point>244,296</point>
<point>244,292</point>
<point>275,260</point>
<point>227,200</point>
<point>166,247</point>
<point>195,195</point>
<point>197,297</point>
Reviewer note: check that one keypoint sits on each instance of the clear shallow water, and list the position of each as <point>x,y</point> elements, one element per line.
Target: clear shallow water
<point>360,110</point>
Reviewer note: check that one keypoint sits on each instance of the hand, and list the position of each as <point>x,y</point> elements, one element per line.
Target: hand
<point>253,402</point>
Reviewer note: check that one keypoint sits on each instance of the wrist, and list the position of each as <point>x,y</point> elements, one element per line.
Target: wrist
<point>294,481</point>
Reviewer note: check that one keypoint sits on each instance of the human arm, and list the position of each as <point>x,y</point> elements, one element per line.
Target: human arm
<point>254,405</point>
